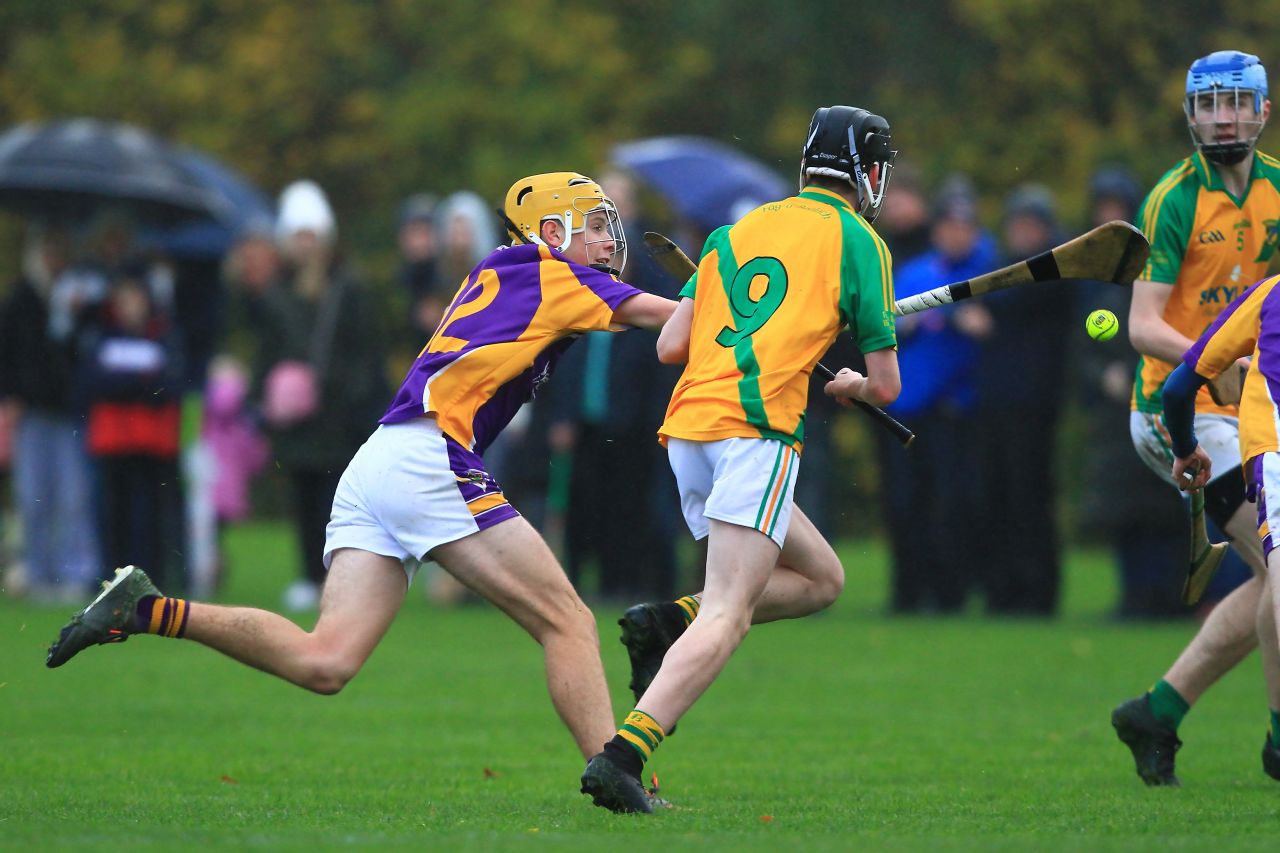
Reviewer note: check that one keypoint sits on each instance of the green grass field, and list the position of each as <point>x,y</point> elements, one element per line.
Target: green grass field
<point>845,730</point>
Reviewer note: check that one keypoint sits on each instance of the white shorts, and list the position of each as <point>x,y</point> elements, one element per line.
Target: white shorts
<point>745,481</point>
<point>1219,435</point>
<point>1264,480</point>
<point>408,489</point>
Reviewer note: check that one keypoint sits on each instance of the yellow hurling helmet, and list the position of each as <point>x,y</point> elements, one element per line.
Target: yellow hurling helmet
<point>566,197</point>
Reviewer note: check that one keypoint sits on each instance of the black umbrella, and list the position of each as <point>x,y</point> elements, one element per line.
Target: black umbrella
<point>243,203</point>
<point>68,169</point>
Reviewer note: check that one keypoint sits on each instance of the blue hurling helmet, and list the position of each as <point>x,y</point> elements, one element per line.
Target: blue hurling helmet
<point>1229,76</point>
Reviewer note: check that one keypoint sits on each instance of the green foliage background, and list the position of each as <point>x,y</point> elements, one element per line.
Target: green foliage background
<point>376,99</point>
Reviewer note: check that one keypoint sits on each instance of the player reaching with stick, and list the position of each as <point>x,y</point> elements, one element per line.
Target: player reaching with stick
<point>769,297</point>
<point>1248,328</point>
<point>1211,222</point>
<point>418,489</point>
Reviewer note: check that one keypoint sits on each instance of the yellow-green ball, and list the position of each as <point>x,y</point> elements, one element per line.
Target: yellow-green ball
<point>1102,325</point>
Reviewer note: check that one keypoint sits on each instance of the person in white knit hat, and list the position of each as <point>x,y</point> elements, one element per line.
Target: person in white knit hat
<point>320,371</point>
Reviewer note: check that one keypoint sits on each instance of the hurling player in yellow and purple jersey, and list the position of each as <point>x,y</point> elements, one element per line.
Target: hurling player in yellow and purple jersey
<point>1211,222</point>
<point>418,489</point>
<point>768,299</point>
<point>1249,328</point>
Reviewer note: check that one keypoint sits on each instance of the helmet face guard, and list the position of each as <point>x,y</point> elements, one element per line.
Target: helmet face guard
<point>574,201</point>
<point>611,231</point>
<point>872,198</point>
<point>845,143</point>
<point>1225,99</point>
<point>1224,123</point>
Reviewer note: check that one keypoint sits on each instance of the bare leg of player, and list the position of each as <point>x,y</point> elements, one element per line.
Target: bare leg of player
<point>807,578</point>
<point>1231,631</point>
<point>1268,640</point>
<point>740,561</point>
<point>1268,635</point>
<point>362,594</point>
<point>510,565</point>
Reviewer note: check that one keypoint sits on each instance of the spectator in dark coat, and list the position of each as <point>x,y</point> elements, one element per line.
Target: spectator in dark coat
<point>1020,404</point>
<point>51,480</point>
<point>1145,523</point>
<point>420,277</point>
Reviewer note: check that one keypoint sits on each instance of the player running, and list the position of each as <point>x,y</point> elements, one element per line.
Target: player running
<point>1211,222</point>
<point>418,489</point>
<point>769,297</point>
<point>1249,327</point>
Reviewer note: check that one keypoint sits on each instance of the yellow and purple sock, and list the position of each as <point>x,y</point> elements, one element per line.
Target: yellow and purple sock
<point>688,608</point>
<point>166,617</point>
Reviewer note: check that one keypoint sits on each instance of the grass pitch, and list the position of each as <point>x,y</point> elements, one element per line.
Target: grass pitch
<point>845,730</point>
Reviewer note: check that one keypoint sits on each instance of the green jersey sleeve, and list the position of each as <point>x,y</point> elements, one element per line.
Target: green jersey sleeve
<point>690,289</point>
<point>1165,219</point>
<point>866,285</point>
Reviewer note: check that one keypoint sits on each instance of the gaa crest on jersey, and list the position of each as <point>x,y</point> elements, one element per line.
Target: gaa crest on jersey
<point>1272,228</point>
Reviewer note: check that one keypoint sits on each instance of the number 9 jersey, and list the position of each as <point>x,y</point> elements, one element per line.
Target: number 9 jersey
<point>770,295</point>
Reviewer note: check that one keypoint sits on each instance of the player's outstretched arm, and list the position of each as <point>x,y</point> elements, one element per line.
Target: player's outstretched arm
<point>673,342</point>
<point>1148,331</point>
<point>644,310</point>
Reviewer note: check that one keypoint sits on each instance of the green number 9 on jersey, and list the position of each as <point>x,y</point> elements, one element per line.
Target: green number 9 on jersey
<point>751,314</point>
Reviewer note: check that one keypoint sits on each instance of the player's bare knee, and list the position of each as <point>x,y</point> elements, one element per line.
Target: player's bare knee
<point>568,617</point>
<point>829,584</point>
<point>582,624</point>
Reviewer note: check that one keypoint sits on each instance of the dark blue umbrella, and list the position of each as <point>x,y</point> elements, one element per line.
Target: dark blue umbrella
<point>69,169</point>
<point>242,203</point>
<point>707,182</point>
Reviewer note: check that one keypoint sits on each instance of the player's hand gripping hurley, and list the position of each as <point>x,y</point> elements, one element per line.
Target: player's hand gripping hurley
<point>1113,252</point>
<point>1206,556</point>
<point>671,258</point>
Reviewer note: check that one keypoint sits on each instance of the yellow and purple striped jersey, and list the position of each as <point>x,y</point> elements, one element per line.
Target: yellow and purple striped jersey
<point>770,295</point>
<point>1209,245</point>
<point>1250,325</point>
<point>500,338</point>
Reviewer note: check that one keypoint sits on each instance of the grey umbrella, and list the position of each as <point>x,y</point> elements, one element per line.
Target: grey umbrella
<point>68,169</point>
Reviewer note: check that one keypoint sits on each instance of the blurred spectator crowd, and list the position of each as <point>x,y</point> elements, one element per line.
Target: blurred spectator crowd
<point>141,395</point>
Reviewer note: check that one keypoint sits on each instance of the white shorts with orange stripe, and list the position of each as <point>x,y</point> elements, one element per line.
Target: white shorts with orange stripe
<point>408,489</point>
<point>745,481</point>
<point>1219,435</point>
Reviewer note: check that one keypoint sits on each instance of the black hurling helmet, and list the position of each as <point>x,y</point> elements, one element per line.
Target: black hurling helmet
<point>843,143</point>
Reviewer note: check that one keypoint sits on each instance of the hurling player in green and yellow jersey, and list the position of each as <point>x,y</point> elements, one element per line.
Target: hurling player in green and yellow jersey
<point>770,295</point>
<point>1211,221</point>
